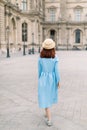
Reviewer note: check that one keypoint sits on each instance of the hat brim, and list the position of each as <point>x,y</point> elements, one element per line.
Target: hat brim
<point>48,46</point>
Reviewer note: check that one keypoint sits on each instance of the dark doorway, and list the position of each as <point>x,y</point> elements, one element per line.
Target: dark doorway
<point>52,34</point>
<point>77,36</point>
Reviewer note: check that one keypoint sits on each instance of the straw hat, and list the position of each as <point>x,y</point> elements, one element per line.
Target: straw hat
<point>48,44</point>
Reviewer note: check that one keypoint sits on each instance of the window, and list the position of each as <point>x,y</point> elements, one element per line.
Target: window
<point>24,32</point>
<point>77,36</point>
<point>24,5</point>
<point>52,34</point>
<point>52,15</point>
<point>78,14</point>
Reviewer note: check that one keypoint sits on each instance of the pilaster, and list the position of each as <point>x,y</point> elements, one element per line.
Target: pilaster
<point>2,25</point>
<point>63,7</point>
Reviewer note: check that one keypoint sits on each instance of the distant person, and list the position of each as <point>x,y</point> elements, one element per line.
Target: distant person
<point>48,78</point>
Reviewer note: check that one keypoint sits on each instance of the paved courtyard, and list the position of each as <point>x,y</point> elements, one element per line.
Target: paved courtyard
<point>18,93</point>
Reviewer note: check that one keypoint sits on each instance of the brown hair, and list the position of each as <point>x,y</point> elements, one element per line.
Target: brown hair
<point>47,53</point>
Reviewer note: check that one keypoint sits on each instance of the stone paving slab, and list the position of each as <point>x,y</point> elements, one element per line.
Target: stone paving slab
<point>28,121</point>
<point>18,93</point>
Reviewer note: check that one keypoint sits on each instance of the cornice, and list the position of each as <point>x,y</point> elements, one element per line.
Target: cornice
<point>9,4</point>
<point>32,15</point>
<point>75,2</point>
<point>68,24</point>
<point>50,2</point>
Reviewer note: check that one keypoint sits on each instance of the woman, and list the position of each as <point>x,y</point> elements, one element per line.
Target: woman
<point>48,78</point>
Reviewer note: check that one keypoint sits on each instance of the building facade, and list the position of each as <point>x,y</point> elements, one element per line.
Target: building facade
<point>29,22</point>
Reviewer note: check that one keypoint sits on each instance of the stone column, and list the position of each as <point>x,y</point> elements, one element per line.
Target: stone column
<point>18,31</point>
<point>63,6</point>
<point>63,34</point>
<point>16,34</point>
<point>41,34</point>
<point>35,31</point>
<point>63,21</point>
<point>70,37</point>
<point>59,39</point>
<point>33,4</point>
<point>2,26</point>
<point>84,37</point>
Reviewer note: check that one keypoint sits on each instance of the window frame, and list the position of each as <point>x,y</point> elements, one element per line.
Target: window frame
<point>52,14</point>
<point>24,5</point>
<point>78,15</point>
<point>78,36</point>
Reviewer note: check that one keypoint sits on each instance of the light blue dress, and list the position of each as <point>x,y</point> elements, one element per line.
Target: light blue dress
<point>48,78</point>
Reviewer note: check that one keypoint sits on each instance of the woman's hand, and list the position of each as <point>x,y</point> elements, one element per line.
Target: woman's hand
<point>58,84</point>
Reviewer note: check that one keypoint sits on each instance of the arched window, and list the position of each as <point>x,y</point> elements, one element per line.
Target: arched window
<point>24,5</point>
<point>77,36</point>
<point>24,32</point>
<point>78,13</point>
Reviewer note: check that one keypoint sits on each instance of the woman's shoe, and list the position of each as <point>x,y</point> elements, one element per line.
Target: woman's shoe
<point>49,123</point>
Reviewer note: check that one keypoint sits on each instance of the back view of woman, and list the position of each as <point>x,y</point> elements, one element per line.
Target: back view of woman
<point>48,78</point>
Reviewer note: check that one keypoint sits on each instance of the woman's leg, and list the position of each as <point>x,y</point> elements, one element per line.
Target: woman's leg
<point>48,113</point>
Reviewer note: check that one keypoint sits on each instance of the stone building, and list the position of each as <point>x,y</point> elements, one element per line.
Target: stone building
<point>29,22</point>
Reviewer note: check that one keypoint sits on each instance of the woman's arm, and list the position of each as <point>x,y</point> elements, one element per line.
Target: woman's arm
<point>39,68</point>
<point>57,74</point>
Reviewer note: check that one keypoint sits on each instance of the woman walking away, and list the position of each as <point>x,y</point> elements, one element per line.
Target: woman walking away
<point>48,78</point>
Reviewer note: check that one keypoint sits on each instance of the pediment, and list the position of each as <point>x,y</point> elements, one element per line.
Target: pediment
<point>78,7</point>
<point>52,7</point>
